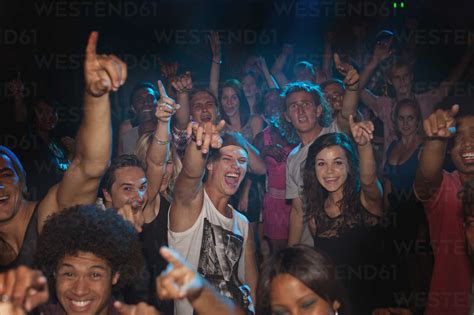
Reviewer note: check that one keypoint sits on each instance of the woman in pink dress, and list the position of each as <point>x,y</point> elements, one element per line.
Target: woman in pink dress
<point>275,146</point>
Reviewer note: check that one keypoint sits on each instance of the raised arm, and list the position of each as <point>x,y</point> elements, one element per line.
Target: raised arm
<point>371,189</point>
<point>438,130</point>
<point>15,88</point>
<point>188,194</point>
<point>262,65</point>
<point>103,74</point>
<point>180,281</point>
<point>215,63</point>
<point>256,163</point>
<point>158,151</point>
<point>328,55</point>
<point>381,52</point>
<point>182,85</point>
<point>351,94</point>
<point>277,68</point>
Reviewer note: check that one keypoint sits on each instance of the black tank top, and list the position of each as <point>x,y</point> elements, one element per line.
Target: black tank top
<point>153,236</point>
<point>28,248</point>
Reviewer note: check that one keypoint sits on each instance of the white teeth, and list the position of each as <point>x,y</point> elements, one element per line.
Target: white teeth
<point>80,303</point>
<point>3,198</point>
<point>468,155</point>
<point>234,175</point>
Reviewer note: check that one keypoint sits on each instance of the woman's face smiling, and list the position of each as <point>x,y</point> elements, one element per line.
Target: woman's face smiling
<point>332,168</point>
<point>230,101</point>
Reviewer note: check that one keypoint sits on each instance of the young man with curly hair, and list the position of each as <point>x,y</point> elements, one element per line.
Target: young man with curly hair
<point>85,252</point>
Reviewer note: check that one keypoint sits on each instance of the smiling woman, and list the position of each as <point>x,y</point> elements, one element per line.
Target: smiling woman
<point>300,279</point>
<point>343,205</point>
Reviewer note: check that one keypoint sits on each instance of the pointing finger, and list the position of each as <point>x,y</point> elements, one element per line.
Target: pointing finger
<point>92,44</point>
<point>162,90</point>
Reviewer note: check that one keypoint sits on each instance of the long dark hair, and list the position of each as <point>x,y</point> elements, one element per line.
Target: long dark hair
<point>310,266</point>
<point>244,108</point>
<point>314,193</point>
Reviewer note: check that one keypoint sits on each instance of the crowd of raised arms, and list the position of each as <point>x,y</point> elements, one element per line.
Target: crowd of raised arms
<point>338,189</point>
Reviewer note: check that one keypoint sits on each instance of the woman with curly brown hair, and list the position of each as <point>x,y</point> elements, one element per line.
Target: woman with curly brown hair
<point>343,205</point>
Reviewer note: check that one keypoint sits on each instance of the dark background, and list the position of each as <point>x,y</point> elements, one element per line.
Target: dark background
<point>43,41</point>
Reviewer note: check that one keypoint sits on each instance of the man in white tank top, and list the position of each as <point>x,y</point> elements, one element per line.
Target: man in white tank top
<point>203,228</point>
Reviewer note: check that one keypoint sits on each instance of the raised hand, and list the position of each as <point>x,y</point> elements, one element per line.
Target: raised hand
<point>382,50</point>
<point>351,76</point>
<point>166,105</point>
<point>215,46</point>
<point>15,87</point>
<point>23,288</point>
<point>168,69</point>
<point>361,131</point>
<point>139,309</point>
<point>179,280</point>
<point>261,64</point>
<point>102,73</point>
<point>182,83</point>
<point>206,134</point>
<point>134,215</point>
<point>441,123</point>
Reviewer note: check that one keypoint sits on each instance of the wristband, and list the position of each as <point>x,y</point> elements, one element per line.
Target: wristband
<point>352,89</point>
<point>217,62</point>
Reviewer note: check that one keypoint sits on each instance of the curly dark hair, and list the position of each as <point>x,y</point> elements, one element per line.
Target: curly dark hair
<point>326,116</point>
<point>88,228</point>
<point>310,266</point>
<point>244,107</point>
<point>118,162</point>
<point>314,193</point>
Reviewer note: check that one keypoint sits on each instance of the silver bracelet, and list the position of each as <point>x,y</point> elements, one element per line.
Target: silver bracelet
<point>161,142</point>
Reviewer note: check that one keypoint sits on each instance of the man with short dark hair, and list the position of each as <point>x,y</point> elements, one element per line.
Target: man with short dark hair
<point>204,228</point>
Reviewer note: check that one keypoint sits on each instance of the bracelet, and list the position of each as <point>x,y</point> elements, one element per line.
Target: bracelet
<point>161,142</point>
<point>217,62</point>
<point>352,89</point>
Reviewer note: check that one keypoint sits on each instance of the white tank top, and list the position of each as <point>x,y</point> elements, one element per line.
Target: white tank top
<point>215,246</point>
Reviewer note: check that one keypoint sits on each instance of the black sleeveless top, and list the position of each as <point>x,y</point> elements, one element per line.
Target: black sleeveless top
<point>155,235</point>
<point>352,241</point>
<point>28,248</point>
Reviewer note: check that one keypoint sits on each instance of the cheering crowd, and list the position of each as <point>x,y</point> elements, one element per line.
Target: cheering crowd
<point>337,189</point>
